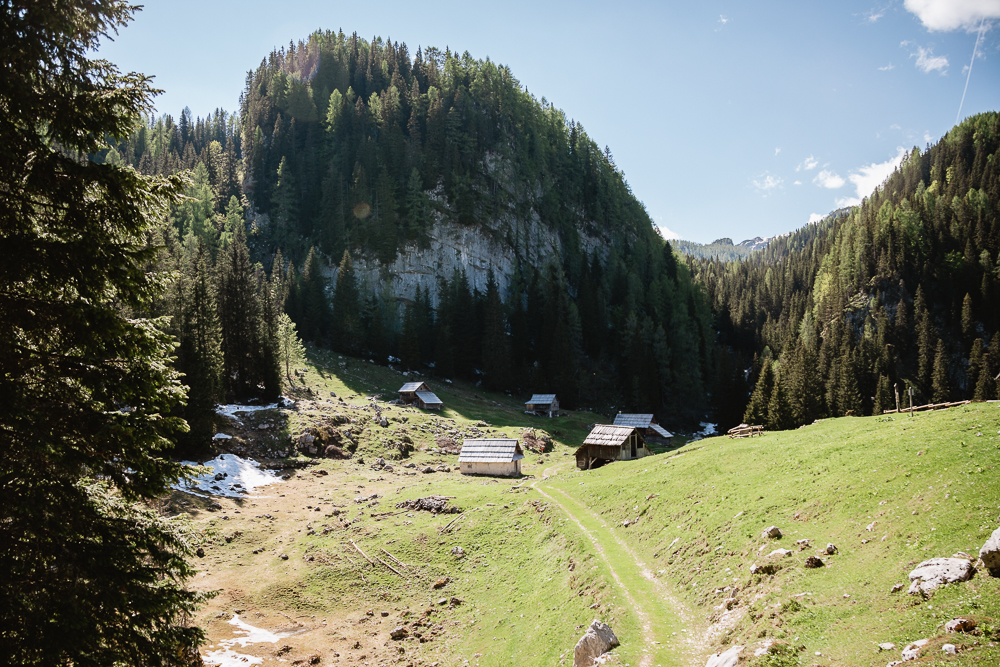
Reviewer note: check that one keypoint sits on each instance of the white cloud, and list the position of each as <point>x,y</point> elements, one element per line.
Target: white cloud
<point>927,137</point>
<point>894,126</point>
<point>723,20</point>
<point>829,179</point>
<point>797,183</point>
<point>767,182</point>
<point>815,217</point>
<point>807,164</point>
<point>868,177</point>
<point>886,68</point>
<point>945,15</point>
<point>777,150</point>
<point>927,62</point>
<point>668,234</point>
<point>874,15</point>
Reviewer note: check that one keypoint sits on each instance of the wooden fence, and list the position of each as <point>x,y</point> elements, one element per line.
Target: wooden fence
<point>745,431</point>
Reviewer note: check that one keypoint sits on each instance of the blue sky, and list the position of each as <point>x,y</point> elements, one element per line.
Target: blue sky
<point>728,119</point>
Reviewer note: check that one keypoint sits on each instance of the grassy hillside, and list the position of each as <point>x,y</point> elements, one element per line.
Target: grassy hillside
<point>545,555</point>
<point>888,492</point>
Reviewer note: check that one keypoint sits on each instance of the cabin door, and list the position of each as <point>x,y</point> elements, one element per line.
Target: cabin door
<point>633,439</point>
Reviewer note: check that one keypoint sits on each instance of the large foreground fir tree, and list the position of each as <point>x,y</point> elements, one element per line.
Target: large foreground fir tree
<point>88,574</point>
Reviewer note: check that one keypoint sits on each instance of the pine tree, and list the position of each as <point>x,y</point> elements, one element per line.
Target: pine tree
<point>91,575</point>
<point>779,411</point>
<point>496,351</point>
<point>968,323</point>
<point>977,359</point>
<point>346,323</point>
<point>291,351</point>
<point>409,341</point>
<point>756,414</point>
<point>926,337</point>
<point>200,352</point>
<point>884,397</point>
<point>940,385</point>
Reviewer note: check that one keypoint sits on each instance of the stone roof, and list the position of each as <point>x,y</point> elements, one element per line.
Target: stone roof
<point>541,399</point>
<point>609,435</point>
<point>429,398</point>
<point>490,450</point>
<point>638,421</point>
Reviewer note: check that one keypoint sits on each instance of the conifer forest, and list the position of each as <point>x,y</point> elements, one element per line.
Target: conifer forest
<point>155,266</point>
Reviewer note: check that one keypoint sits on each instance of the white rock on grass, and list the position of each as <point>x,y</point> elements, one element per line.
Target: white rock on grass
<point>960,624</point>
<point>781,552</point>
<point>912,650</point>
<point>990,553</point>
<point>773,532</point>
<point>950,649</point>
<point>728,658</point>
<point>597,640</point>
<point>931,574</point>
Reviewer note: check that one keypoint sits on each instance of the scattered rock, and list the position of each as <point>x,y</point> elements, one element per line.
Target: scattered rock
<point>214,506</point>
<point>990,553</point>
<point>949,649</point>
<point>458,552</point>
<point>960,624</point>
<point>596,641</point>
<point>283,556</point>
<point>728,658</point>
<point>781,552</point>
<point>813,561</point>
<point>896,588</point>
<point>766,568</point>
<point>383,422</point>
<point>384,614</point>
<point>887,646</point>
<point>455,601</point>
<point>443,601</point>
<point>912,650</point>
<point>427,469</point>
<point>200,552</point>
<point>937,571</point>
<point>772,532</point>
<point>441,583</point>
<point>831,549</point>
<point>432,504</point>
<point>399,632</point>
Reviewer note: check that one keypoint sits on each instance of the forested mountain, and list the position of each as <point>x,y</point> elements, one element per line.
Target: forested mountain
<point>350,154</point>
<point>903,290</point>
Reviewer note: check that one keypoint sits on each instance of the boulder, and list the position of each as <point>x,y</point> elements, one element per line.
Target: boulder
<point>728,658</point>
<point>886,646</point>
<point>781,552</point>
<point>990,553</point>
<point>597,640</point>
<point>912,650</point>
<point>937,571</point>
<point>831,549</point>
<point>812,561</point>
<point>399,633</point>
<point>772,532</point>
<point>960,624</point>
<point>950,649</point>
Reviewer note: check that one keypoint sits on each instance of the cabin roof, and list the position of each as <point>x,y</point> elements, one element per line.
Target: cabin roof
<point>490,450</point>
<point>411,386</point>
<point>541,399</point>
<point>609,435</point>
<point>429,397</point>
<point>636,420</point>
<point>661,431</point>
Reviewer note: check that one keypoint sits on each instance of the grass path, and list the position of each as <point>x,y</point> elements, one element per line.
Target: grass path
<point>667,625</point>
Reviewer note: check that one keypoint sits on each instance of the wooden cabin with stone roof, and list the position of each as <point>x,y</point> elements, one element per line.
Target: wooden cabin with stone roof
<point>607,443</point>
<point>542,405</point>
<point>419,394</point>
<point>647,425</point>
<point>491,456</point>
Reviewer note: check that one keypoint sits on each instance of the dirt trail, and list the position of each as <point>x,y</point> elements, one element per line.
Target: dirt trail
<point>692,646</point>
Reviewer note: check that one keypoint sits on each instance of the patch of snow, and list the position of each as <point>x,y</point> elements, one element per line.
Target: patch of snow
<point>707,431</point>
<point>221,436</point>
<point>231,409</point>
<point>242,476</point>
<point>227,657</point>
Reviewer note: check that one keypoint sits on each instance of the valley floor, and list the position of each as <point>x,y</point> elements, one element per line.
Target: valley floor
<point>660,548</point>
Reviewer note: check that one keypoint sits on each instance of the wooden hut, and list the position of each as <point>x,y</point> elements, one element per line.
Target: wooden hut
<point>608,443</point>
<point>542,405</point>
<point>647,425</point>
<point>491,456</point>
<point>419,394</point>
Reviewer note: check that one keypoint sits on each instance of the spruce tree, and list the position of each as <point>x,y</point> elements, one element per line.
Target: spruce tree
<point>884,397</point>
<point>496,351</point>
<point>346,323</point>
<point>756,413</point>
<point>977,360</point>
<point>200,352</point>
<point>926,337</point>
<point>91,575</point>
<point>779,411</point>
<point>940,385</point>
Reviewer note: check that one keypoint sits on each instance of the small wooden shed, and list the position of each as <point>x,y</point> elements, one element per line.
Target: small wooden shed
<point>607,443</point>
<point>491,456</point>
<point>419,394</point>
<point>647,425</point>
<point>542,405</point>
